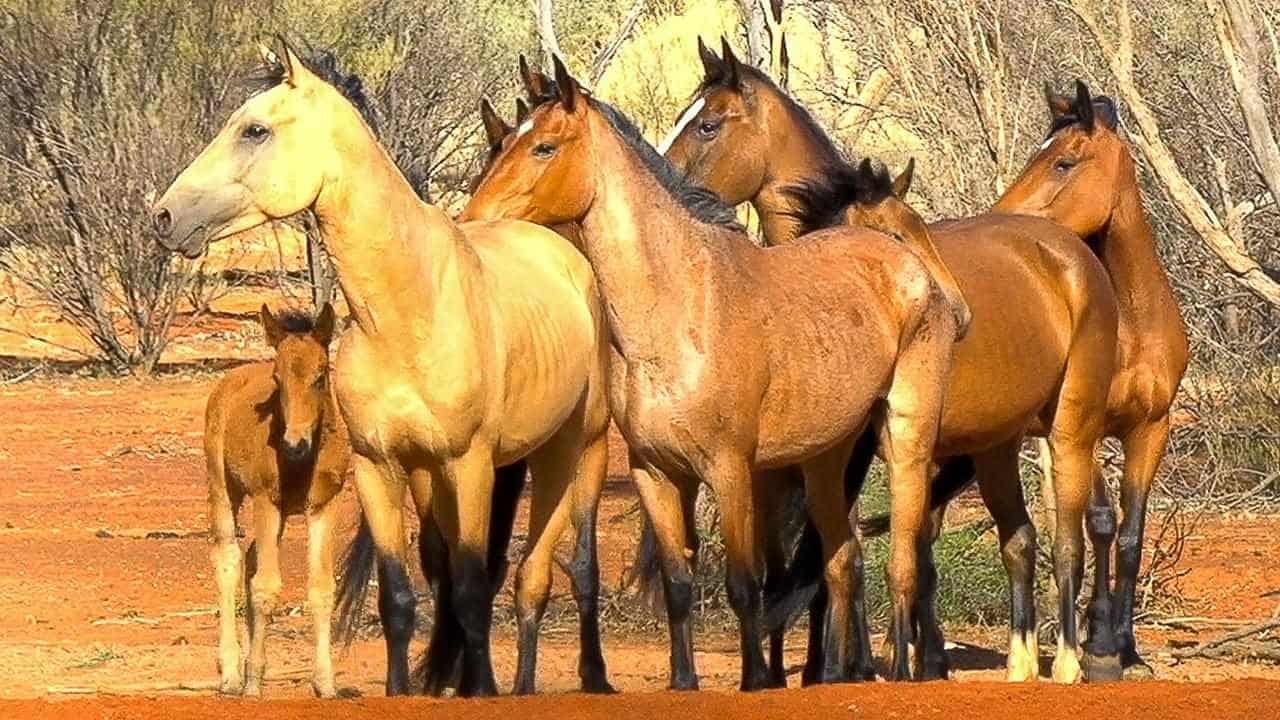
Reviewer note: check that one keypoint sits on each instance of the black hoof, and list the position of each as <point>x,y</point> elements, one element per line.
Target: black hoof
<point>934,669</point>
<point>755,682</point>
<point>1102,668</point>
<point>598,686</point>
<point>689,682</point>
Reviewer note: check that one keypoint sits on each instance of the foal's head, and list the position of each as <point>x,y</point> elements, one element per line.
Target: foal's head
<point>1080,170</point>
<point>271,159</point>
<point>301,375</point>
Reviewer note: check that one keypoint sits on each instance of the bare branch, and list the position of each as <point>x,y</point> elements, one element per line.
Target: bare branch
<point>1240,43</point>
<point>601,62</point>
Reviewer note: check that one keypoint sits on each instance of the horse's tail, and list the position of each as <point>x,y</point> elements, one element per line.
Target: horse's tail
<point>952,479</point>
<point>645,573</point>
<point>353,588</point>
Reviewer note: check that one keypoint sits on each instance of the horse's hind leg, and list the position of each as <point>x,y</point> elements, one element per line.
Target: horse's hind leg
<point>584,569</point>
<point>264,587</point>
<point>669,505</point>
<point>1102,656</point>
<point>227,569</point>
<point>1001,489</point>
<point>320,589</point>
<point>381,493</point>
<point>824,494</point>
<point>777,490</point>
<point>1143,448</point>
<point>552,467</point>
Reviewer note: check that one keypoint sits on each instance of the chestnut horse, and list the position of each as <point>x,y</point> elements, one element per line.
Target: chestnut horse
<point>1037,358</point>
<point>715,375</point>
<point>1084,177</point>
<point>273,435</point>
<point>474,346</point>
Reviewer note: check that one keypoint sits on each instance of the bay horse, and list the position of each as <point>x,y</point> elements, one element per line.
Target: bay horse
<point>1029,283</point>
<point>1084,177</point>
<point>273,435</point>
<point>714,376</point>
<point>473,346</point>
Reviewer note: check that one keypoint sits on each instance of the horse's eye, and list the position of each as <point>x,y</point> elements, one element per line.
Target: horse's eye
<point>1064,164</point>
<point>544,150</point>
<point>255,133</point>
<point>708,128</point>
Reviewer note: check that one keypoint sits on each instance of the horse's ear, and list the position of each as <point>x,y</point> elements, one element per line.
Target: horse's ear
<point>902,183</point>
<point>1084,106</point>
<point>712,67</point>
<point>1058,104</point>
<point>495,128</point>
<point>271,327</point>
<point>322,332</point>
<point>732,69</point>
<point>522,111</point>
<point>784,72</point>
<point>568,86</point>
<point>528,79</point>
<point>289,59</point>
<point>865,170</point>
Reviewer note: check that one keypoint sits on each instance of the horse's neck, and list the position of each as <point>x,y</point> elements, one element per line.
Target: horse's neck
<point>794,156</point>
<point>391,252</point>
<point>644,248</point>
<point>1145,298</point>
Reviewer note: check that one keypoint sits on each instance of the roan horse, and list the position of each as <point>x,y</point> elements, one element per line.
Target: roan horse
<point>1084,177</point>
<point>1043,331</point>
<point>474,346</point>
<point>715,376</point>
<point>273,435</point>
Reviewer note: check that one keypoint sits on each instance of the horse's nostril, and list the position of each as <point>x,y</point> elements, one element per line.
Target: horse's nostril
<point>163,222</point>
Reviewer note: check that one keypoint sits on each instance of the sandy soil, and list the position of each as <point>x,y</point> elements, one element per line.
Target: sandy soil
<point>106,594</point>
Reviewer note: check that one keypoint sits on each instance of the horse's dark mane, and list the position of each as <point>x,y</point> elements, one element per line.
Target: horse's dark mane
<point>1104,109</point>
<point>703,204</point>
<point>324,64</point>
<point>296,321</point>
<point>821,201</point>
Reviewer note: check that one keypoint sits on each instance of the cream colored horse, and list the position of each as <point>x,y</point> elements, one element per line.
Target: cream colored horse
<point>474,346</point>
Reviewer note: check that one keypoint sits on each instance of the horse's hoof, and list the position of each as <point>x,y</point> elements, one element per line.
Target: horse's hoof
<point>1066,669</point>
<point>934,669</point>
<point>598,686</point>
<point>689,682</point>
<point>231,687</point>
<point>1139,670</point>
<point>1102,668</point>
<point>754,683</point>
<point>253,689</point>
<point>323,688</point>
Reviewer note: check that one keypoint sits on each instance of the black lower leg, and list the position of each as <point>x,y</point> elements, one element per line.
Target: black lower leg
<point>1128,563</point>
<point>1102,655</point>
<point>396,604</point>
<point>527,650</point>
<point>930,646</point>
<point>814,657</point>
<point>744,597</point>
<point>863,665</point>
<point>678,592</point>
<point>473,605</point>
<point>444,649</point>
<point>584,576</point>
<point>903,628</point>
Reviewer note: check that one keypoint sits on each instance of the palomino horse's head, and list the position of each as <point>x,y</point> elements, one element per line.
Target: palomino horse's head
<point>301,375</point>
<point>268,162</point>
<point>542,171</point>
<point>722,139</point>
<point>1080,170</point>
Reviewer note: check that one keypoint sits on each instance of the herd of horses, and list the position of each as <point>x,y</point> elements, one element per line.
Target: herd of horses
<point>594,277</point>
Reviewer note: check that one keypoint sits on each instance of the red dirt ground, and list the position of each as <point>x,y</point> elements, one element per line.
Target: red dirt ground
<point>106,591</point>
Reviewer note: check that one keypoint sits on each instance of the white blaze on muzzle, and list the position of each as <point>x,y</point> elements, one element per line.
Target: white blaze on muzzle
<point>685,119</point>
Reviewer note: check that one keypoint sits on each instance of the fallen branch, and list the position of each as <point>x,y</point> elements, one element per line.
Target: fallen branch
<point>1205,649</point>
<point>290,675</point>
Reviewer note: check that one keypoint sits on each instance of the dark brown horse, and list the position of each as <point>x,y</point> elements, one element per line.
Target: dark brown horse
<point>1084,177</point>
<point>1030,284</point>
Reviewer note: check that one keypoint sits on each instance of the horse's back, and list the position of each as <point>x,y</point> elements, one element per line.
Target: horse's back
<point>1025,280</point>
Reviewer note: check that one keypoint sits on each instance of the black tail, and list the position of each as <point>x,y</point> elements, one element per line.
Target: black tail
<point>353,588</point>
<point>645,574</point>
<point>791,594</point>
<point>954,476</point>
<point>438,665</point>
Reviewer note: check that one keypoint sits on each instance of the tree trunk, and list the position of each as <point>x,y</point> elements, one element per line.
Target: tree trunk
<point>547,32</point>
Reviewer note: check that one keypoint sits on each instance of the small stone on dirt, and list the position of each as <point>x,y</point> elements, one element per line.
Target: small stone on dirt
<point>103,534</point>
